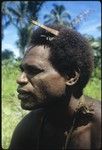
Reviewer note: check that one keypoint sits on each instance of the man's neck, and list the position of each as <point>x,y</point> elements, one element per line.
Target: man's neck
<point>61,113</point>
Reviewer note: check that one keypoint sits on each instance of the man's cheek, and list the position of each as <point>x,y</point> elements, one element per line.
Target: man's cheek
<point>54,87</point>
<point>39,90</point>
<point>47,85</point>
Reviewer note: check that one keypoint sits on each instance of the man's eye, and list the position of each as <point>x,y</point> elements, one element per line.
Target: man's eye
<point>32,71</point>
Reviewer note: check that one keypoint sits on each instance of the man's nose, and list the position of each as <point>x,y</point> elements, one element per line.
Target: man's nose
<point>22,79</point>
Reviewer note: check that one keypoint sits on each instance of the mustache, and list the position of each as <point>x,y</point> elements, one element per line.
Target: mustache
<point>25,93</point>
<point>34,94</point>
<point>22,91</point>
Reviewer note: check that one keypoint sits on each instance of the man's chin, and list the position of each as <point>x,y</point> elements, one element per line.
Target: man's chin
<point>31,106</point>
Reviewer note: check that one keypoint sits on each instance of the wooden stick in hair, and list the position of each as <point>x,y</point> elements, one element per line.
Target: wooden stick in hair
<point>53,31</point>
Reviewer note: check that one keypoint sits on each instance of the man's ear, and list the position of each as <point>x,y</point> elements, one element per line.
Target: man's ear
<point>72,80</point>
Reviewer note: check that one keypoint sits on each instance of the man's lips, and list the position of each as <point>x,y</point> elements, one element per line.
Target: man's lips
<point>29,98</point>
<point>20,91</point>
<point>23,95</point>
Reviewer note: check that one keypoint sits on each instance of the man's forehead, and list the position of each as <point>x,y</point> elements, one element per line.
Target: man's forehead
<point>38,55</point>
<point>38,51</point>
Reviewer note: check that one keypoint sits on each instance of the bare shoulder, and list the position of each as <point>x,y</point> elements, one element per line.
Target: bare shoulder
<point>96,123</point>
<point>96,105</point>
<point>89,134</point>
<point>90,99</point>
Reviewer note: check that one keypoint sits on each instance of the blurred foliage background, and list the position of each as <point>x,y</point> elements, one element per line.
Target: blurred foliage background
<point>19,14</point>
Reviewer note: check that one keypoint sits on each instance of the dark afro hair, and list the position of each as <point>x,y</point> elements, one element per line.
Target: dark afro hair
<point>70,52</point>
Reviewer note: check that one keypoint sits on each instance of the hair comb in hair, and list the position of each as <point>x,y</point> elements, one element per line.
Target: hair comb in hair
<point>53,31</point>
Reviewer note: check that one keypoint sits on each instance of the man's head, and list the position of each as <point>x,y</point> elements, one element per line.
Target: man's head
<point>54,67</point>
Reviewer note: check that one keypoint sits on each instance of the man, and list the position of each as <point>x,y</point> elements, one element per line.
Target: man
<point>55,70</point>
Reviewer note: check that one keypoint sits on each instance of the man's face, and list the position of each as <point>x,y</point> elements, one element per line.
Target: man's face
<point>39,82</point>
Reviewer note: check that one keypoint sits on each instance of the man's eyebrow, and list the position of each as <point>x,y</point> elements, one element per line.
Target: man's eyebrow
<point>30,66</point>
